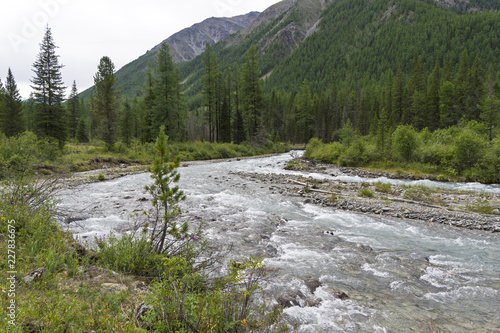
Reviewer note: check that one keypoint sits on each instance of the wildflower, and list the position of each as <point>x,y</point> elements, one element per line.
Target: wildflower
<point>182,239</point>
<point>192,238</point>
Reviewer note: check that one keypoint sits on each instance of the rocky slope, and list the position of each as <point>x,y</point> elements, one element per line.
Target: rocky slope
<point>190,42</point>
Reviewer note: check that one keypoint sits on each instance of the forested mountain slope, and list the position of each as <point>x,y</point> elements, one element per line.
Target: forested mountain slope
<point>184,46</point>
<point>359,39</point>
<point>331,41</point>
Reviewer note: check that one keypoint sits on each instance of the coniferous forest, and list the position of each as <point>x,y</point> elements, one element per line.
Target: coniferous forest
<point>411,87</point>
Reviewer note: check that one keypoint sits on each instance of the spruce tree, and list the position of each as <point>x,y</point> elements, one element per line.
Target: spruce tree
<point>146,121</point>
<point>167,110</point>
<point>462,85</point>
<point>238,125</point>
<point>251,92</point>
<point>12,112</point>
<point>105,103</point>
<point>398,97</point>
<point>81,131</point>
<point>225,117</point>
<point>2,104</point>
<point>304,116</point>
<point>210,92</point>
<point>127,123</point>
<point>433,119</point>
<point>476,90</point>
<point>73,106</point>
<point>50,115</point>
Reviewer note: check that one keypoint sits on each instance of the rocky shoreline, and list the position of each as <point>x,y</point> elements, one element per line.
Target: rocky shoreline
<point>471,210</point>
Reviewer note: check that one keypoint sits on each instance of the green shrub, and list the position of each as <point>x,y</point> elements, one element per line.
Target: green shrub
<point>101,177</point>
<point>129,254</point>
<point>405,142</point>
<point>469,148</point>
<point>481,206</point>
<point>383,187</point>
<point>183,303</point>
<point>365,193</point>
<point>355,155</point>
<point>312,146</point>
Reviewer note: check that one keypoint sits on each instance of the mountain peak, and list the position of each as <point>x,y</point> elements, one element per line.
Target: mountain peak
<point>190,42</point>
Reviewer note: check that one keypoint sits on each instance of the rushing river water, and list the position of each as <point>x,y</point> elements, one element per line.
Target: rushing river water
<point>419,277</point>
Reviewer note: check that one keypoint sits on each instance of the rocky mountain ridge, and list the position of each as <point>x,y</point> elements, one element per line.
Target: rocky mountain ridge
<point>190,42</point>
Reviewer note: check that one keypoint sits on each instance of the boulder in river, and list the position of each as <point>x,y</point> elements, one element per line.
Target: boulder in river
<point>337,293</point>
<point>288,299</point>
<point>313,284</point>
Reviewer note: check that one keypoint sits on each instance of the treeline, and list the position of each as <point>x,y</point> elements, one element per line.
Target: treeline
<point>445,154</point>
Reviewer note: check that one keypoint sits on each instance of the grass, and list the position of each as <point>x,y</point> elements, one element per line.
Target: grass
<point>85,157</point>
<point>365,193</point>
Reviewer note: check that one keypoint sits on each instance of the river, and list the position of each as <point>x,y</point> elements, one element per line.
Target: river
<point>400,275</point>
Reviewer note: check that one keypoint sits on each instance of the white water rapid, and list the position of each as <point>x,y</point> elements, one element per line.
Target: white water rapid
<point>417,277</point>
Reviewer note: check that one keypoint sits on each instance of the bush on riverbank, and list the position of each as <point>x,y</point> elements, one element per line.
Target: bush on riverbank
<point>74,292</point>
<point>459,151</point>
<point>47,158</point>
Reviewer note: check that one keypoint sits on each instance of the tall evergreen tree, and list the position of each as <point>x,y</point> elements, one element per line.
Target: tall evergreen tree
<point>238,123</point>
<point>167,110</point>
<point>225,117</point>
<point>29,112</point>
<point>50,115</point>
<point>148,102</point>
<point>12,112</point>
<point>475,92</point>
<point>398,97</point>
<point>106,102</point>
<point>462,85</point>
<point>2,104</point>
<point>73,106</point>
<point>432,120</point>
<point>210,89</point>
<point>304,113</point>
<point>251,92</point>
<point>126,123</point>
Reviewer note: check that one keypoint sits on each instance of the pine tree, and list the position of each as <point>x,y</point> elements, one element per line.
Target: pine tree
<point>106,102</point>
<point>490,113</point>
<point>146,121</point>
<point>383,132</point>
<point>398,97</point>
<point>81,131</point>
<point>127,123</point>
<point>238,124</point>
<point>251,92</point>
<point>29,113</point>
<point>73,106</point>
<point>50,115</point>
<point>433,119</point>
<point>462,85</point>
<point>167,110</point>
<point>475,90</point>
<point>225,117</point>
<point>2,104</point>
<point>12,113</point>
<point>304,109</point>
<point>448,114</point>
<point>210,92</point>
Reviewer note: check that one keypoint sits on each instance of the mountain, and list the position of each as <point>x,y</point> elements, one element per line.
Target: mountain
<point>184,46</point>
<point>326,41</point>
<point>190,42</point>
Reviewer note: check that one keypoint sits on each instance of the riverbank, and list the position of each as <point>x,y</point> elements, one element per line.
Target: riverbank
<point>463,209</point>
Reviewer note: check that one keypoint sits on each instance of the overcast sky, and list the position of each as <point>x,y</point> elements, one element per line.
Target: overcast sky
<point>86,30</point>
